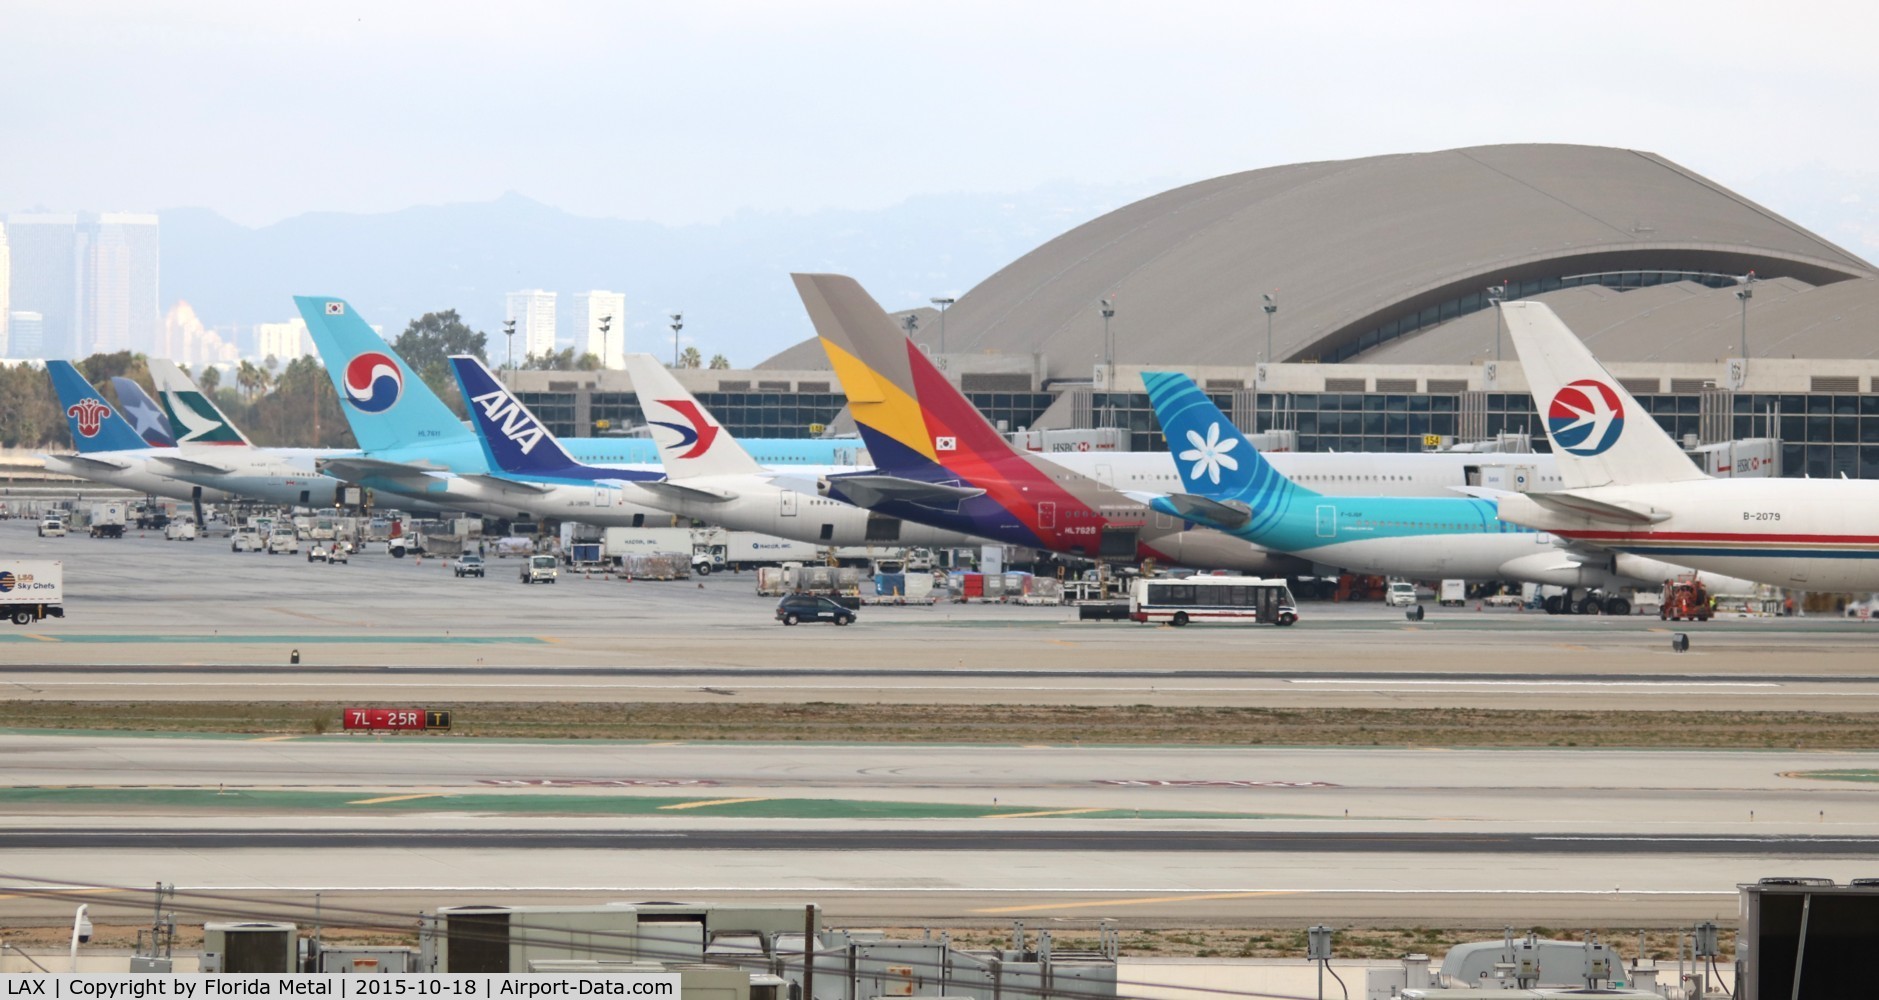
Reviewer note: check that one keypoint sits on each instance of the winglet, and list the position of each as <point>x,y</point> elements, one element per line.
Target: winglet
<point>691,443</point>
<point>1602,437</point>
<point>95,425</point>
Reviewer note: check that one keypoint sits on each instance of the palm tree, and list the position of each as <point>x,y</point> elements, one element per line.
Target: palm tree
<point>719,362</point>
<point>691,358</point>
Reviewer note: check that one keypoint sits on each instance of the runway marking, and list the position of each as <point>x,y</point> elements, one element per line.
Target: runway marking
<point>713,802</point>
<point>41,638</point>
<point>1139,901</point>
<point>43,891</point>
<point>273,739</point>
<point>1435,682</point>
<point>1049,812</point>
<point>925,889</point>
<point>396,798</point>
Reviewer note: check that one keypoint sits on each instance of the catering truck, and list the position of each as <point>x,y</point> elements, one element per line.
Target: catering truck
<point>31,589</point>
<point>108,519</point>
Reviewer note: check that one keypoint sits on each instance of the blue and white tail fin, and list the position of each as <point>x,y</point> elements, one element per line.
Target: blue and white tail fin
<point>194,415</point>
<point>514,440</point>
<point>95,425</point>
<point>145,417</point>
<point>691,443</point>
<point>1602,437</point>
<point>1215,460</point>
<point>385,402</point>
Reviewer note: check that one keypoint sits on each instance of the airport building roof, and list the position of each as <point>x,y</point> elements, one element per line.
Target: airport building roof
<point>1388,258</point>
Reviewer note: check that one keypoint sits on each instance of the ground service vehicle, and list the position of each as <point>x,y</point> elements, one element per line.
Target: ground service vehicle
<point>1454,593</point>
<point>180,529</point>
<point>1226,600</point>
<point>1686,598</point>
<point>810,608</point>
<point>1400,594</point>
<point>467,564</point>
<point>283,540</point>
<point>539,569</point>
<point>246,540</point>
<point>31,590</point>
<point>108,519</point>
<point>52,527</point>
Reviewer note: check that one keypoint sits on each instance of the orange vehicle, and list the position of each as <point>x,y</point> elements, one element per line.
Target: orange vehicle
<point>1685,597</point>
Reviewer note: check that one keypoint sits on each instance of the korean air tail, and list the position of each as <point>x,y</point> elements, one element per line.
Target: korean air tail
<point>144,415</point>
<point>386,402</point>
<point>1599,432</point>
<point>514,441</point>
<point>691,443</point>
<point>95,425</point>
<point>1216,461</point>
<point>194,415</point>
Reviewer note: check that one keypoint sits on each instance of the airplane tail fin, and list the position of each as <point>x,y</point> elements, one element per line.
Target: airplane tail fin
<point>914,422</point>
<point>514,440</point>
<point>194,415</point>
<point>384,401</point>
<point>95,425</point>
<point>1602,437</point>
<point>691,443</point>
<point>1216,461</point>
<point>144,415</point>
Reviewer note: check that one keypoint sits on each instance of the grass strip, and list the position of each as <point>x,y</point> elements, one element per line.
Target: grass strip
<point>828,722</point>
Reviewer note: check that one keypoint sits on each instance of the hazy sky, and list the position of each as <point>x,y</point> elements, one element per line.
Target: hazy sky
<point>688,111</point>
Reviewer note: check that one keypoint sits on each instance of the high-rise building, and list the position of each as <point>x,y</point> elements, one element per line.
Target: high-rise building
<point>589,309</point>
<point>534,314</point>
<point>6,293</point>
<point>284,342</point>
<point>44,281</point>
<point>26,335</point>
<point>116,283</point>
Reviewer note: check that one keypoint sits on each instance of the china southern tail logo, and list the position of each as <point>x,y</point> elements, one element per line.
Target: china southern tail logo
<point>373,382</point>
<point>696,433</point>
<point>1585,418</point>
<point>1209,454</point>
<point>89,415</point>
<point>508,416</point>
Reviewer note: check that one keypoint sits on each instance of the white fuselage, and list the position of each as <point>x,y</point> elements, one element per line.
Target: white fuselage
<point>283,476</point>
<point>1810,534</point>
<point>1390,474</point>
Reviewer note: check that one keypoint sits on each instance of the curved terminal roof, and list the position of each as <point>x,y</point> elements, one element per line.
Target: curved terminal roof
<point>1369,254</point>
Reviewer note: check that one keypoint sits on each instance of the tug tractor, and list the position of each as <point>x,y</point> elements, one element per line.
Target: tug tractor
<point>1685,598</point>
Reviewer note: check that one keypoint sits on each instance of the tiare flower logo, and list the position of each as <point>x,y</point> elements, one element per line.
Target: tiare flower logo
<point>1209,454</point>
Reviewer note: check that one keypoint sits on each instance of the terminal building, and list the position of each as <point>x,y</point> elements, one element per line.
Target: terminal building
<point>1351,302</point>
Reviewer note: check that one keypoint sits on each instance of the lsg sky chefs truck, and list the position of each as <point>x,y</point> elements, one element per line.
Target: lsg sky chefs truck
<point>31,589</point>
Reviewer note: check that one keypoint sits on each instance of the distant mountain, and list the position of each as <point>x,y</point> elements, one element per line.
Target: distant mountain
<point>731,279</point>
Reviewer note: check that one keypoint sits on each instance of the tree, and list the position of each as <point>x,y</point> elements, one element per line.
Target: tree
<point>210,379</point>
<point>690,358</point>
<point>719,362</point>
<point>430,340</point>
<point>554,361</point>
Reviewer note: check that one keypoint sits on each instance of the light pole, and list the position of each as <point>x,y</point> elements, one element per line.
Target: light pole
<point>943,303</point>
<point>1109,348</point>
<point>606,323</point>
<point>508,329</point>
<point>1745,293</point>
<point>1271,306</point>
<point>1496,295</point>
<point>678,323</point>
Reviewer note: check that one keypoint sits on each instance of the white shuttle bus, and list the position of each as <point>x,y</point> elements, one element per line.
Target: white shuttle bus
<point>1221,600</point>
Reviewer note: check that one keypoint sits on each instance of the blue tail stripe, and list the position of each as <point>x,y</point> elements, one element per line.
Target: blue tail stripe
<point>514,440</point>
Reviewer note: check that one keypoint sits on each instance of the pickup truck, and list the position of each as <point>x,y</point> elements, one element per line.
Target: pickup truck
<point>31,590</point>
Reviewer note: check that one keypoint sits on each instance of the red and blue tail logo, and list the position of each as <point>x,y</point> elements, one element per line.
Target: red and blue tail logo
<point>373,382</point>
<point>1585,418</point>
<point>89,415</point>
<point>696,433</point>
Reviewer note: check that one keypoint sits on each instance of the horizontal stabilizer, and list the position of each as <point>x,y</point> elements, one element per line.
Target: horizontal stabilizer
<point>1225,515</point>
<point>1483,492</point>
<point>502,485</point>
<point>687,490</point>
<point>88,462</point>
<point>868,491</point>
<point>354,470</point>
<point>177,466</point>
<point>1567,502</point>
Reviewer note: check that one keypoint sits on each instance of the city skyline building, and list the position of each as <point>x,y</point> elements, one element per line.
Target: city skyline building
<point>43,249</point>
<point>284,342</point>
<point>6,293</point>
<point>116,271</point>
<point>533,311</point>
<point>589,309</point>
<point>25,329</point>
